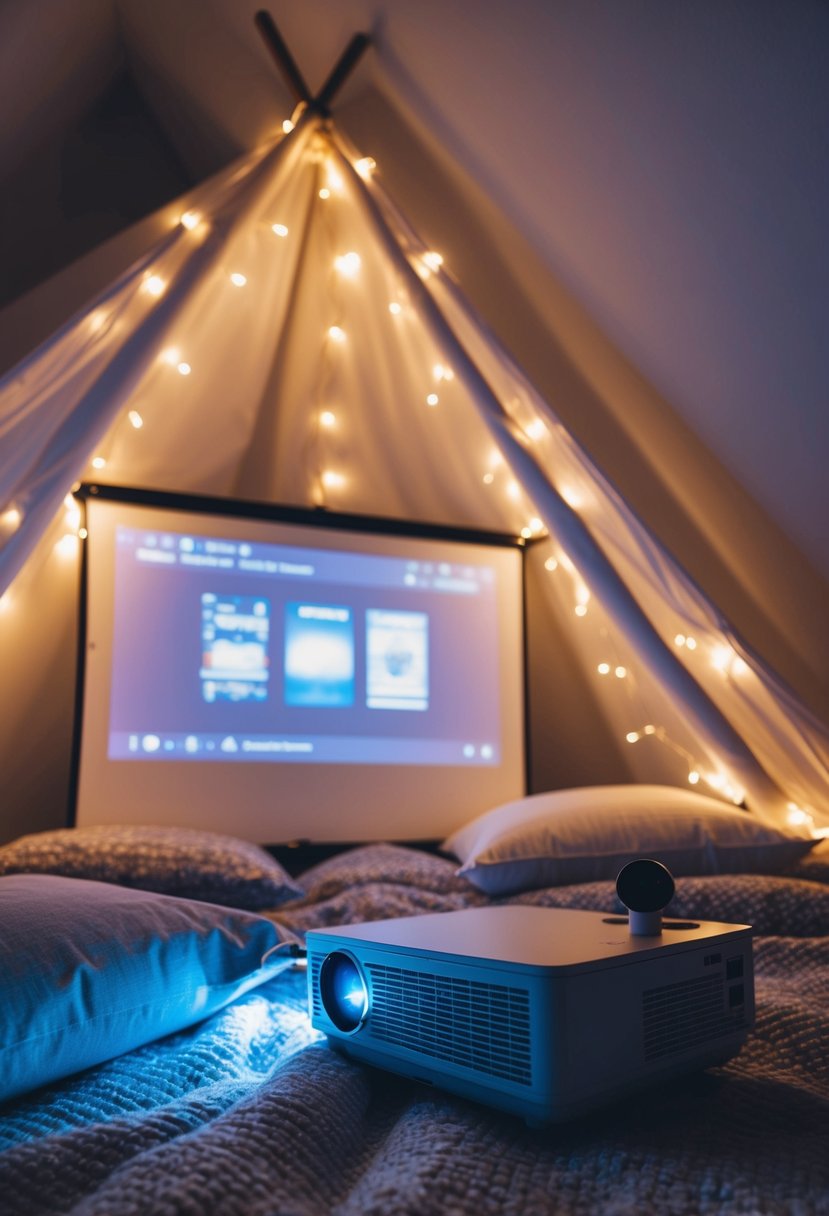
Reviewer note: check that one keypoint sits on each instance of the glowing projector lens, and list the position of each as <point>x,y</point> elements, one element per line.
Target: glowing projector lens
<point>343,991</point>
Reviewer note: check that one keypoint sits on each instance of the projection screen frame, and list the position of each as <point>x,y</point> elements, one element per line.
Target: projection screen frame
<point>313,519</point>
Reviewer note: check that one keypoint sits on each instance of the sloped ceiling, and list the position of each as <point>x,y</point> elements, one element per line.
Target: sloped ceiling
<point>634,194</point>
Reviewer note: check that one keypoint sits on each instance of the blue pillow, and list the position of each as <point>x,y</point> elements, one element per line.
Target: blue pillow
<point>89,970</point>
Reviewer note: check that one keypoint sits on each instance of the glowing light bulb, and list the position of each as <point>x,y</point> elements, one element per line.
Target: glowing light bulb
<point>526,533</point>
<point>336,334</point>
<point>335,180</point>
<point>348,264</point>
<point>620,673</point>
<point>328,419</point>
<point>287,126</point>
<point>189,220</point>
<point>82,533</point>
<point>632,736</point>
<point>551,564</point>
<point>184,369</point>
<point>365,167</point>
<point>580,610</point>
<point>395,309</point>
<point>536,524</point>
<point>603,669</point>
<point>513,490</point>
<point>721,657</point>
<point>279,229</point>
<point>135,419</point>
<point>693,777</point>
<point>171,356</point>
<point>649,730</point>
<point>98,462</point>
<point>680,639</point>
<point>489,478</point>
<point>238,280</point>
<point>433,260</point>
<point>691,643</point>
<point>67,545</point>
<point>11,518</point>
<point>432,399</point>
<point>571,497</point>
<point>154,285</point>
<point>325,192</point>
<point>797,817</point>
<point>536,429</point>
<point>332,480</point>
<point>739,667</point>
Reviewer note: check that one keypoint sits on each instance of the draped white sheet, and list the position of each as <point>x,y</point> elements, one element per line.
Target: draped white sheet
<point>246,355</point>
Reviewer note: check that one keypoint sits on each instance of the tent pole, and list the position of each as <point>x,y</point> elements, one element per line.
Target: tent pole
<point>285,61</point>
<point>342,69</point>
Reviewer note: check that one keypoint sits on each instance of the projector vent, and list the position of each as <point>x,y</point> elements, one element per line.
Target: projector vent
<point>680,1016</point>
<point>484,1027</point>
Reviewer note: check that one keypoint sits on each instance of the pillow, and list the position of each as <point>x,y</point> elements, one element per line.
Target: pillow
<point>582,835</point>
<point>169,860</point>
<point>89,970</point>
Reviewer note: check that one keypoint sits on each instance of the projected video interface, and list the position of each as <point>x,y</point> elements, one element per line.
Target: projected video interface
<point>234,650</point>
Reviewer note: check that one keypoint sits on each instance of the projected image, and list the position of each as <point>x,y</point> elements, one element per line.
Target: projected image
<point>234,632</point>
<point>319,655</point>
<point>397,660</point>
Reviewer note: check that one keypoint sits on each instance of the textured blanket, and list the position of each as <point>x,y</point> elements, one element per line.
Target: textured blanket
<point>252,1113</point>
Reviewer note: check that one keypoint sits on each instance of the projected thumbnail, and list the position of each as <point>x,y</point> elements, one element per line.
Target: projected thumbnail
<point>397,659</point>
<point>319,655</point>
<point>234,631</point>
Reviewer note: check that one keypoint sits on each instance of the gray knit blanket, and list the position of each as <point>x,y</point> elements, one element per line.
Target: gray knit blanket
<point>251,1114</point>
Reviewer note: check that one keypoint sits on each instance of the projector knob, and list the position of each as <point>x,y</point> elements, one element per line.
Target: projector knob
<point>645,887</point>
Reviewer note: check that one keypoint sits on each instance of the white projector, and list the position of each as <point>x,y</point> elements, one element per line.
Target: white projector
<point>544,1012</point>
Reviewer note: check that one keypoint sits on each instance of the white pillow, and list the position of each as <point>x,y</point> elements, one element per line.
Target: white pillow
<point>586,834</point>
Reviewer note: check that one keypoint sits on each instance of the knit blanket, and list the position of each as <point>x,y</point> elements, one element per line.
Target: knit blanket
<point>251,1113</point>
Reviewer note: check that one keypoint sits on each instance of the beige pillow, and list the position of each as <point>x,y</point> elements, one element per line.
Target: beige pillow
<point>586,834</point>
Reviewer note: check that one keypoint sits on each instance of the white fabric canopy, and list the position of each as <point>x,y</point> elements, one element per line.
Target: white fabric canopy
<point>292,339</point>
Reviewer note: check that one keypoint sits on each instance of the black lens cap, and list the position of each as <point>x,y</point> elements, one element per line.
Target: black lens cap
<point>645,885</point>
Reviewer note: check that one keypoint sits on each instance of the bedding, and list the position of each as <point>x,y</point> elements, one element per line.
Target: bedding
<point>250,1112</point>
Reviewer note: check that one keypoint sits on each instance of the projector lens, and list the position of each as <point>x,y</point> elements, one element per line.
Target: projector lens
<point>343,991</point>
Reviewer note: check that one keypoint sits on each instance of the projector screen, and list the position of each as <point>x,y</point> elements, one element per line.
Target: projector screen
<point>288,681</point>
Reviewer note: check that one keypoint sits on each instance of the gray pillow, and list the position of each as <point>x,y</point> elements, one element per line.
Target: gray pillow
<point>586,834</point>
<point>171,861</point>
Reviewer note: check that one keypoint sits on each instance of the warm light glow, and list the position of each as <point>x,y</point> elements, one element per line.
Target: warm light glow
<point>154,285</point>
<point>238,280</point>
<point>620,673</point>
<point>551,564</point>
<point>67,545</point>
<point>287,126</point>
<point>189,220</point>
<point>536,524</point>
<point>571,496</point>
<point>739,667</point>
<point>580,610</point>
<point>632,736</point>
<point>797,817</point>
<point>5,601</point>
<point>649,730</point>
<point>433,260</point>
<point>432,399</point>
<point>11,519</point>
<point>365,167</point>
<point>279,229</point>
<point>348,264</point>
<point>582,594</point>
<point>395,309</point>
<point>325,192</point>
<point>680,639</point>
<point>536,429</point>
<point>82,533</point>
<point>489,478</point>
<point>336,334</point>
<point>332,480</point>
<point>171,356</point>
<point>184,369</point>
<point>495,458</point>
<point>327,419</point>
<point>96,320</point>
<point>603,669</point>
<point>693,777</point>
<point>136,419</point>
<point>335,180</point>
<point>691,643</point>
<point>513,490</point>
<point>98,462</point>
<point>526,533</point>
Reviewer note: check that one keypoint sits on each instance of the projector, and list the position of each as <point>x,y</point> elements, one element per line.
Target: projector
<point>547,1013</point>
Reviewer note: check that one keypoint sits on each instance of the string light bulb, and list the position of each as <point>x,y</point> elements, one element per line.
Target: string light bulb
<point>620,673</point>
<point>325,193</point>
<point>238,280</point>
<point>98,462</point>
<point>348,264</point>
<point>693,777</point>
<point>551,564</point>
<point>603,669</point>
<point>189,220</point>
<point>331,479</point>
<point>395,309</point>
<point>184,369</point>
<point>154,285</point>
<point>135,419</point>
<point>433,260</point>
<point>336,334</point>
<point>432,399</point>
<point>11,519</point>
<point>365,167</point>
<point>328,419</point>
<point>287,126</point>
<point>280,229</point>
<point>489,478</point>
